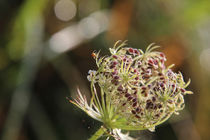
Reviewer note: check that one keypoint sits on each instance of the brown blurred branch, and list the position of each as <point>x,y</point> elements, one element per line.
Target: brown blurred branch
<point>120,19</point>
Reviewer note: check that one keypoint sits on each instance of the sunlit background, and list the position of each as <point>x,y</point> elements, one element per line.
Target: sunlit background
<point>45,54</point>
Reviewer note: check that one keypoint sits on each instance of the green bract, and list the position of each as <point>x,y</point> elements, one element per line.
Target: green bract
<point>136,90</point>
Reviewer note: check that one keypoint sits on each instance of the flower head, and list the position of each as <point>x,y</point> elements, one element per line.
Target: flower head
<point>136,91</point>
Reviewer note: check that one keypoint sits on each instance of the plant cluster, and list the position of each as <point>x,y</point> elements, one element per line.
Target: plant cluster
<point>132,90</point>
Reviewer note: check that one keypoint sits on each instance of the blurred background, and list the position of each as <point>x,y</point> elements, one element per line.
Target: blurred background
<point>45,53</point>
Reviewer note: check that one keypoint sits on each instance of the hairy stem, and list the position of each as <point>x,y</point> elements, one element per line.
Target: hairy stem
<point>98,133</point>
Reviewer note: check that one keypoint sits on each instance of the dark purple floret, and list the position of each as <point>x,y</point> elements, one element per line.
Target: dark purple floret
<point>116,77</point>
<point>114,72</point>
<point>150,61</point>
<point>130,98</point>
<point>135,104</point>
<point>112,66</point>
<point>136,51</point>
<point>138,109</point>
<point>162,78</point>
<point>114,63</point>
<point>114,56</point>
<point>134,112</point>
<point>130,50</point>
<point>149,101</point>
<point>143,88</point>
<point>120,88</point>
<point>157,115</point>
<point>135,92</point>
<point>182,90</point>
<point>153,99</point>
<point>137,116</point>
<point>134,100</point>
<point>155,107</point>
<point>127,95</point>
<point>173,85</point>
<point>161,84</point>
<point>160,106</point>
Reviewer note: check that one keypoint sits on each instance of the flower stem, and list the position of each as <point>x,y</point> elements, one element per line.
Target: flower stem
<point>98,133</point>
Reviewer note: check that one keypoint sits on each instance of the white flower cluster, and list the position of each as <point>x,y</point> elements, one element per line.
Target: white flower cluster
<point>137,91</point>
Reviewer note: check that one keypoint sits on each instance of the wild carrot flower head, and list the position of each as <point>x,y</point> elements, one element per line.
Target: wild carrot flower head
<point>133,90</point>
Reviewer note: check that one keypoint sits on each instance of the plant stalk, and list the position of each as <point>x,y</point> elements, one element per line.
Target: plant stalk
<point>98,133</point>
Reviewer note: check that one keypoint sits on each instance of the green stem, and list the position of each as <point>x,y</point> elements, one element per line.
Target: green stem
<point>98,133</point>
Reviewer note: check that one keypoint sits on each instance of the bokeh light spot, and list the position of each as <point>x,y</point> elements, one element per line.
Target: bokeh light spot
<point>204,59</point>
<point>89,27</point>
<point>65,10</point>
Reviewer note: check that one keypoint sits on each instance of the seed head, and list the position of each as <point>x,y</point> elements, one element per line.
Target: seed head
<point>137,90</point>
